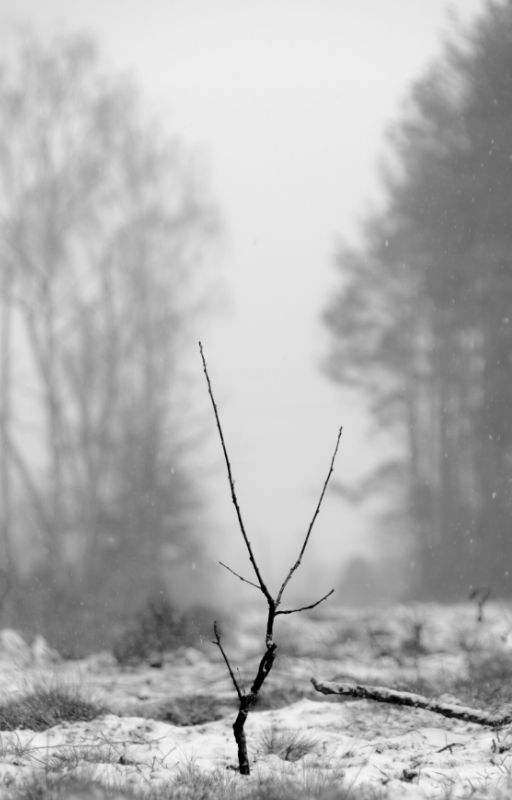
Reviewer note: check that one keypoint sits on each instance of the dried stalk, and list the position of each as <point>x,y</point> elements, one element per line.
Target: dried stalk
<point>247,700</point>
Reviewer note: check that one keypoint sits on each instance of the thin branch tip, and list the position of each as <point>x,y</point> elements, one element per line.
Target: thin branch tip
<point>236,574</point>
<point>306,608</point>
<point>261,583</point>
<point>226,659</point>
<point>298,562</point>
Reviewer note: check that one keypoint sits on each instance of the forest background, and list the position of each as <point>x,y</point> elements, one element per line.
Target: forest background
<point>108,251</point>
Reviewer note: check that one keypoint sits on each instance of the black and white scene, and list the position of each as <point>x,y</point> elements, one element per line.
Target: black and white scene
<point>256,400</point>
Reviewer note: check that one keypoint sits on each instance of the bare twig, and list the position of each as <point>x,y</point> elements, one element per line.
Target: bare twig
<point>313,520</point>
<point>450,747</point>
<point>382,694</point>
<point>305,608</point>
<point>218,642</point>
<point>245,580</point>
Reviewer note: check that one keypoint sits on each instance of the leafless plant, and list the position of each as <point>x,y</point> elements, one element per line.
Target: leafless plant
<point>247,699</point>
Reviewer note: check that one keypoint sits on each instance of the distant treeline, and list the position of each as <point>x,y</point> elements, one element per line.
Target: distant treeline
<point>103,226</point>
<point>423,319</point>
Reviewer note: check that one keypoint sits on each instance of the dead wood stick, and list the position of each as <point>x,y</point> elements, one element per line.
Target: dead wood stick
<point>382,694</point>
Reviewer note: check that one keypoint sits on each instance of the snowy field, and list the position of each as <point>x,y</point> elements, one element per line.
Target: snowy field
<point>302,744</point>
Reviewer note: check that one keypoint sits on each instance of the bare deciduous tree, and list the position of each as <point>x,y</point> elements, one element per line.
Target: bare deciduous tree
<point>5,415</point>
<point>103,225</point>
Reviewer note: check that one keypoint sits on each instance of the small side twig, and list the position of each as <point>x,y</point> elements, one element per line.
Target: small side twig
<point>218,642</point>
<point>305,608</point>
<point>245,580</point>
<point>295,566</point>
<point>382,694</point>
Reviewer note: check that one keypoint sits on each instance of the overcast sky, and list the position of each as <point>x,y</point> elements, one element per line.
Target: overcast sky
<point>287,103</point>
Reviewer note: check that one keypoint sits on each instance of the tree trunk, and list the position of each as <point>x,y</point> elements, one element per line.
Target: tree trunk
<point>5,419</point>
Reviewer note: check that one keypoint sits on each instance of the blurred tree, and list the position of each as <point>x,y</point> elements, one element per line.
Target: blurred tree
<point>5,417</point>
<point>103,227</point>
<point>422,322</point>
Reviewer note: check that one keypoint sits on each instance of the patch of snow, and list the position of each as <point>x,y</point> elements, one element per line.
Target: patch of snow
<point>409,754</point>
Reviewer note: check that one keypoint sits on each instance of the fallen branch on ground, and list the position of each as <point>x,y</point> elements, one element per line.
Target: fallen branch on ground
<point>381,694</point>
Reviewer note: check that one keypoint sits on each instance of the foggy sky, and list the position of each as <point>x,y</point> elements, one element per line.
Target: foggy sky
<point>286,104</point>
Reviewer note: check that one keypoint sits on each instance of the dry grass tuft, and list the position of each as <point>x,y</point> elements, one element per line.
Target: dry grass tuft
<point>44,707</point>
<point>287,745</point>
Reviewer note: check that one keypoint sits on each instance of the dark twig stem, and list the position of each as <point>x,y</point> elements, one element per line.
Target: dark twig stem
<point>218,642</point>
<point>246,700</point>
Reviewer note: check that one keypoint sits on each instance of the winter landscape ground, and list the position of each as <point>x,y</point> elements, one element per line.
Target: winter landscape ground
<point>166,732</point>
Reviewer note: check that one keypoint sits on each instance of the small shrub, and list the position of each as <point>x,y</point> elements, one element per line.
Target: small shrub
<point>44,707</point>
<point>190,710</point>
<point>159,628</point>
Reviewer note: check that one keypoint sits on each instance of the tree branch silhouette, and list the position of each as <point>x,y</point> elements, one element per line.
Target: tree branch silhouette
<point>247,699</point>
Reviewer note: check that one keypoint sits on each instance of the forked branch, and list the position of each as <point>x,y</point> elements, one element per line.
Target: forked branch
<point>246,700</point>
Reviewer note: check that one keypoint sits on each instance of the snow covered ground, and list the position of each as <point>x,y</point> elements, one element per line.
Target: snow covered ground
<point>360,745</point>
